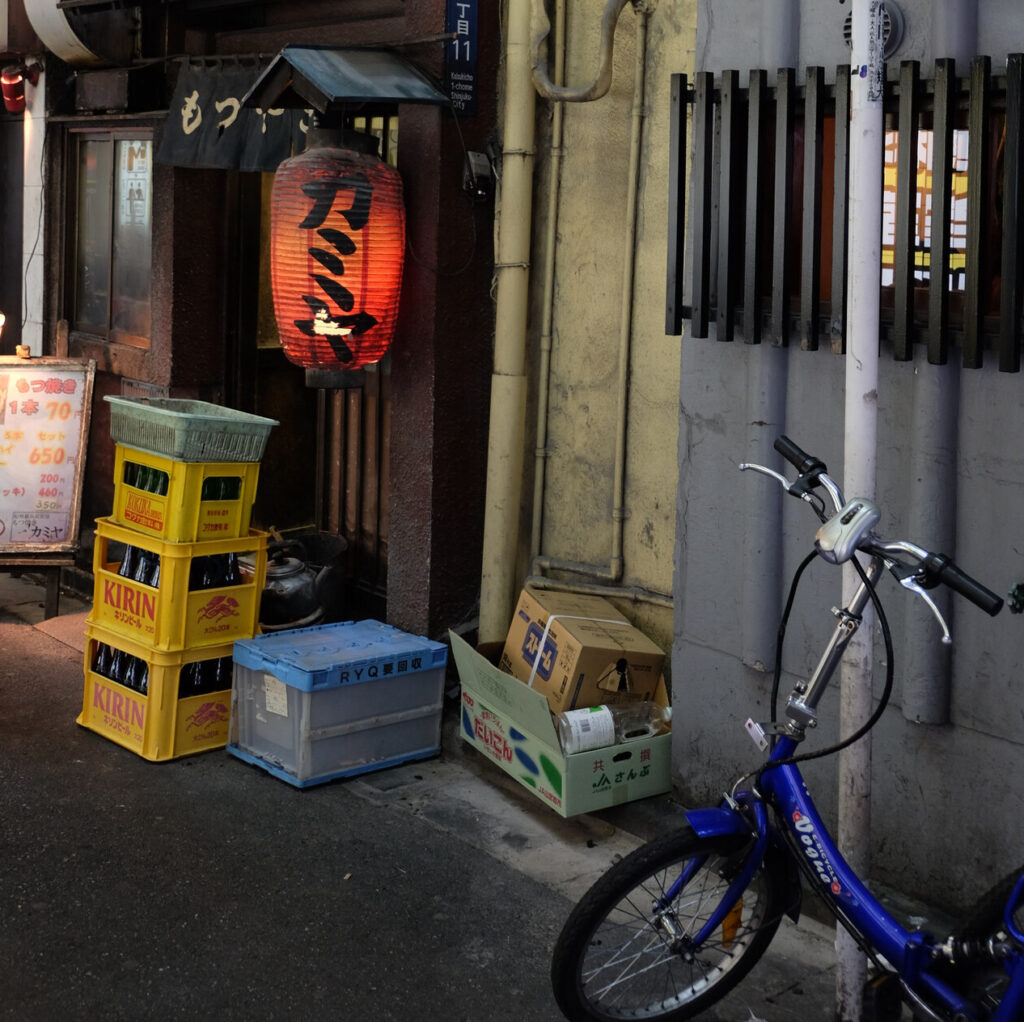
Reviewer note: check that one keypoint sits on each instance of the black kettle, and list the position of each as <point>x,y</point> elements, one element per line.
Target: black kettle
<point>291,594</point>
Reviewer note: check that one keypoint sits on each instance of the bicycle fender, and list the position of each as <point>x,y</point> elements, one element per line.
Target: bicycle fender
<point>718,822</point>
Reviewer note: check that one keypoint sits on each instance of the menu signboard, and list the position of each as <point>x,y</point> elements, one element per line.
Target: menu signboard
<point>45,406</point>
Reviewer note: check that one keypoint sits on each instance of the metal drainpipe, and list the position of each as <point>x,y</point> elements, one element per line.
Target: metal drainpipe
<point>550,236</point>
<point>766,413</point>
<point>860,445</point>
<point>541,28</point>
<point>927,681</point>
<point>508,377</point>
<point>614,571</point>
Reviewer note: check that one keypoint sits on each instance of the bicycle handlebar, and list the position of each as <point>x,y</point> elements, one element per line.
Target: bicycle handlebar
<point>932,568</point>
<point>798,458</point>
<point>941,568</point>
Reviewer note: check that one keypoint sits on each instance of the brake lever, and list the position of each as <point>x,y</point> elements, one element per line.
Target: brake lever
<point>910,582</point>
<point>745,465</point>
<point>805,495</point>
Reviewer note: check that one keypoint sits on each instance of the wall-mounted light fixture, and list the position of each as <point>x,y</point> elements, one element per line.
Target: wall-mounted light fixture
<point>337,245</point>
<point>337,214</point>
<point>12,83</point>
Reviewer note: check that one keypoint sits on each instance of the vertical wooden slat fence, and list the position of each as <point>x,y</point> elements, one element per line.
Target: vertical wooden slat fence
<point>904,257</point>
<point>1011,299</point>
<point>810,275</point>
<point>955,270</point>
<point>728,173</point>
<point>702,199</point>
<point>679,105</point>
<point>840,211</point>
<point>785,115</point>
<point>942,191</point>
<point>757,115</point>
<point>977,196</point>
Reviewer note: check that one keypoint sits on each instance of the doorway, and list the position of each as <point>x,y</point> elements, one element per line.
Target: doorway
<point>325,469</point>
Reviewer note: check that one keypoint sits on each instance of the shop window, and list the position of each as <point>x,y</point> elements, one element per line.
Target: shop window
<point>111,249</point>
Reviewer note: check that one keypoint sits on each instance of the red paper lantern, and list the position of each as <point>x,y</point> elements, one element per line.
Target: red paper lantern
<point>337,245</point>
<point>12,83</point>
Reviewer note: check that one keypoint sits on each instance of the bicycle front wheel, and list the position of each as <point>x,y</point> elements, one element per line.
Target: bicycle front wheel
<point>627,951</point>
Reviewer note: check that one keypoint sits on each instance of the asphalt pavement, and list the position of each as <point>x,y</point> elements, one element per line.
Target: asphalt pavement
<point>205,888</point>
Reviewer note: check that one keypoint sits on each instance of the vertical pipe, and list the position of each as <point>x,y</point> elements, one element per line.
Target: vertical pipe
<point>32,217</point>
<point>860,444</point>
<point>550,237</point>
<point>616,566</point>
<point>766,377</point>
<point>508,378</point>
<point>779,33</point>
<point>954,29</point>
<point>936,394</point>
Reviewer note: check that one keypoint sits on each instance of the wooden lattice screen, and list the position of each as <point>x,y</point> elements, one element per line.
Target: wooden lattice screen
<point>768,201</point>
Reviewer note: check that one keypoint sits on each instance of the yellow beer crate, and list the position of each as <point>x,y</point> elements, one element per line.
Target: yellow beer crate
<point>183,501</point>
<point>159,705</point>
<point>177,596</point>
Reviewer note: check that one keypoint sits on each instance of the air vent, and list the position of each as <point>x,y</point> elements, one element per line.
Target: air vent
<point>892,28</point>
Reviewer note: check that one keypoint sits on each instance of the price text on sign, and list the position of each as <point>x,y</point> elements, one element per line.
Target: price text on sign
<point>44,412</point>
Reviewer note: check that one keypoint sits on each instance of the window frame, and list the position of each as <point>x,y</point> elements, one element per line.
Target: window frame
<point>75,136</point>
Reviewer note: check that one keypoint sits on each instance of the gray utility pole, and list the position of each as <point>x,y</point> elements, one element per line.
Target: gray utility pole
<point>864,259</point>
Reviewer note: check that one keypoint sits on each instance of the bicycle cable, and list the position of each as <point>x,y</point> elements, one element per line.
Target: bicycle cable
<point>886,692</point>
<point>781,634</point>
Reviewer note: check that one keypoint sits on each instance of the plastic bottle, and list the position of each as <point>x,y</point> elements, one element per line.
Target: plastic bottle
<point>598,726</point>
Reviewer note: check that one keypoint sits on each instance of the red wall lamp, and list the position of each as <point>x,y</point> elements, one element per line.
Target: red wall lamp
<point>12,83</point>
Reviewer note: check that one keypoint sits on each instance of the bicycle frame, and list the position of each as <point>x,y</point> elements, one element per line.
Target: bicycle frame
<point>908,952</point>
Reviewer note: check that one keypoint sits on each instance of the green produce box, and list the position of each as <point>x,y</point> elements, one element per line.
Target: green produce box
<point>510,724</point>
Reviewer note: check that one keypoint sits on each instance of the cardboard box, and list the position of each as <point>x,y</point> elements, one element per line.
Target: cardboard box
<point>511,725</point>
<point>579,651</point>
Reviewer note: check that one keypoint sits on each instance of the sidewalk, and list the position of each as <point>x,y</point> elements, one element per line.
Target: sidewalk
<point>469,808</point>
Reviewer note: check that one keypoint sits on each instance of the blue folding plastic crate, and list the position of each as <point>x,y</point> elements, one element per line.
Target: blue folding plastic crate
<point>312,704</point>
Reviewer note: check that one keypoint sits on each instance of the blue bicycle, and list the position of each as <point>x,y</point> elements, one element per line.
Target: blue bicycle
<point>674,926</point>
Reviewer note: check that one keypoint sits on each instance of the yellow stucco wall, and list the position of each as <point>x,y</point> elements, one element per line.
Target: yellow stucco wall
<point>590,264</point>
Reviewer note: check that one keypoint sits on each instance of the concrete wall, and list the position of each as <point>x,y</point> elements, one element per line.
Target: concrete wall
<point>696,527</point>
<point>933,835</point>
<point>739,34</point>
<point>928,780</point>
<point>589,299</point>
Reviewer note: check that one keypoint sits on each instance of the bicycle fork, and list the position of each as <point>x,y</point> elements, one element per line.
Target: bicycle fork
<point>715,822</point>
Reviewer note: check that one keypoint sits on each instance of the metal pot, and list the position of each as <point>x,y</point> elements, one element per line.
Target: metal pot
<point>290,598</point>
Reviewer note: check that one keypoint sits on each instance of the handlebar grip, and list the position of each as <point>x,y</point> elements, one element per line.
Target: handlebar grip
<point>799,459</point>
<point>940,567</point>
